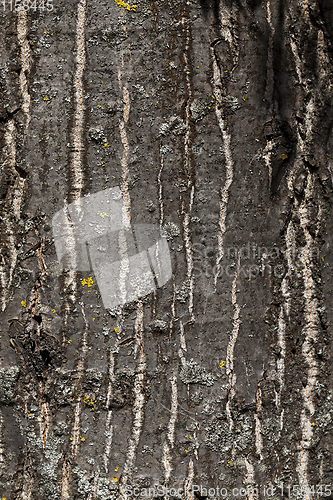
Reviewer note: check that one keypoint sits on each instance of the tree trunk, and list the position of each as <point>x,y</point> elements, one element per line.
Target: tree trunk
<point>213,120</point>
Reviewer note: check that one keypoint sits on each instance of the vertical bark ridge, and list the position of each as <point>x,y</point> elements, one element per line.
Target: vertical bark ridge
<point>138,407</point>
<point>186,209</point>
<point>169,442</point>
<point>76,170</point>
<point>80,374</point>
<point>259,443</point>
<point>109,426</point>
<point>22,36</point>
<point>231,347</point>
<point>79,116</point>
<point>226,138</point>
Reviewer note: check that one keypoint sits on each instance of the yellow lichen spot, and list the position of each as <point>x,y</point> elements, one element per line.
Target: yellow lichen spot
<point>156,102</point>
<point>116,329</point>
<point>45,32</point>
<point>114,480</point>
<point>82,439</point>
<point>104,214</point>
<point>116,469</point>
<point>54,311</point>
<point>209,107</point>
<point>229,463</point>
<point>88,282</point>
<point>46,99</point>
<point>70,341</point>
<point>322,259</point>
<point>222,363</point>
<point>284,156</point>
<point>226,71</point>
<point>313,424</point>
<point>198,67</point>
<point>71,438</point>
<point>99,106</point>
<point>213,97</point>
<point>23,303</point>
<point>191,437</point>
<point>244,98</point>
<point>105,145</point>
<point>94,319</point>
<point>126,6</point>
<point>186,451</point>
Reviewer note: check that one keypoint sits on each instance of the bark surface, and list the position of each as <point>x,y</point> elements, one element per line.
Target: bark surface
<point>214,117</point>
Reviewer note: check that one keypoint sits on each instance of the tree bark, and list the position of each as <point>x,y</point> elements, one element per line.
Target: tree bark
<point>214,118</point>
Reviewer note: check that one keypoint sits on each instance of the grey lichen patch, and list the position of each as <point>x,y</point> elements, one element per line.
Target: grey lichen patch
<point>218,436</point>
<point>270,427</point>
<point>171,230</point>
<point>49,487</point>
<point>175,125</point>
<point>160,326</point>
<point>231,102</point>
<point>34,441</point>
<point>192,373</point>
<point>97,134</point>
<point>93,378</point>
<point>323,419</point>
<point>8,378</point>
<point>84,485</point>
<point>62,388</point>
<point>106,490</point>
<point>113,36</point>
<point>198,109</point>
<point>197,397</point>
<point>182,291</point>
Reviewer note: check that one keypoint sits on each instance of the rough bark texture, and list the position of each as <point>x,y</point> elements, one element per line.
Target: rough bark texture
<point>215,119</point>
